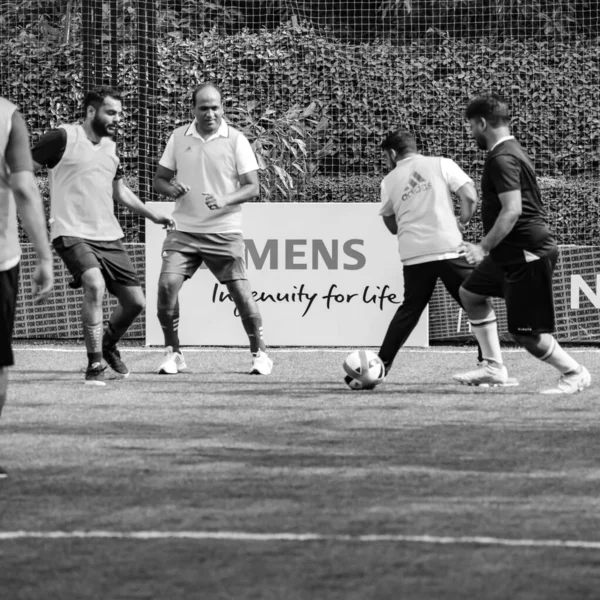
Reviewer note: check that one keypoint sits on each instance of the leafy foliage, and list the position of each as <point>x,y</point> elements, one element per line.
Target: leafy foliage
<point>280,143</point>
<point>316,110</point>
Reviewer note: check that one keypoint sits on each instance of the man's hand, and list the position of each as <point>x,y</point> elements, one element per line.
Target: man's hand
<point>473,253</point>
<point>214,202</point>
<point>42,281</point>
<point>179,189</point>
<point>166,222</point>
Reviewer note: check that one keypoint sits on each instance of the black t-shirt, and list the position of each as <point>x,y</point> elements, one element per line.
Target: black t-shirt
<point>50,148</point>
<point>508,168</point>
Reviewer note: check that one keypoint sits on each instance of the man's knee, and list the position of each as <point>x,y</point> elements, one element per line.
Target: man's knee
<point>532,342</point>
<point>93,285</point>
<point>168,289</point>
<point>471,301</point>
<point>241,294</point>
<point>138,304</point>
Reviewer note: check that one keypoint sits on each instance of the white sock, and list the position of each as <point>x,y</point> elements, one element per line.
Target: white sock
<point>559,359</point>
<point>486,333</point>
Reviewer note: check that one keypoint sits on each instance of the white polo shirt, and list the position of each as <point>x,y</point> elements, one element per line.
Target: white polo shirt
<point>211,166</point>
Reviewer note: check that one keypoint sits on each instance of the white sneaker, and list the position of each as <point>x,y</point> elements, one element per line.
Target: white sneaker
<point>510,381</point>
<point>485,376</point>
<point>173,362</point>
<point>570,384</point>
<point>261,364</point>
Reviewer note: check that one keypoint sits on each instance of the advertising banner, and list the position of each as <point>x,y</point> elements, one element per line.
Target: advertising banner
<point>322,275</point>
<point>576,287</point>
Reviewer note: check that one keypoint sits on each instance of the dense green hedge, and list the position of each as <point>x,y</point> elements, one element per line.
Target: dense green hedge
<point>362,91</point>
<point>572,204</point>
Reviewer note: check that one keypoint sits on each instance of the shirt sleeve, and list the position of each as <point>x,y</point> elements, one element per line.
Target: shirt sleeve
<point>244,156</point>
<point>455,177</point>
<point>167,160</point>
<point>17,154</point>
<point>505,173</point>
<point>50,148</point>
<point>387,208</point>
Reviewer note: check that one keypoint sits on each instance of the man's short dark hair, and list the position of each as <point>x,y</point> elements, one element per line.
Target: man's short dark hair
<point>203,86</point>
<point>401,141</point>
<point>491,107</point>
<point>97,96</point>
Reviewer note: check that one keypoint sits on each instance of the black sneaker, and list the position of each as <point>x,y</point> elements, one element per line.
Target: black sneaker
<point>3,473</point>
<point>112,356</point>
<point>94,374</point>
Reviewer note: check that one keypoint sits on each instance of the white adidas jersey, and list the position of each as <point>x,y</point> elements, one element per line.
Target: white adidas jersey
<point>417,193</point>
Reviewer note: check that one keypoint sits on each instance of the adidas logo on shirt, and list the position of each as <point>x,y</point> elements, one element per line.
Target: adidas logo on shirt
<point>416,184</point>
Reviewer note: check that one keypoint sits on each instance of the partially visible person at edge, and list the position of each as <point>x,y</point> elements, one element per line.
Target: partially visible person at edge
<point>85,180</point>
<point>18,195</point>
<point>515,259</point>
<point>416,205</point>
<point>209,168</point>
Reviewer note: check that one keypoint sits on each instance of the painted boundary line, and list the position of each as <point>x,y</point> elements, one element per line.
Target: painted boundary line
<point>186,349</point>
<point>240,536</point>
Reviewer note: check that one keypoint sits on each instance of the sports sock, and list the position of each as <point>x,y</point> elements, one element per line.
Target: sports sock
<point>109,338</point>
<point>253,326</point>
<point>169,321</point>
<point>486,334</point>
<point>559,359</point>
<point>92,336</point>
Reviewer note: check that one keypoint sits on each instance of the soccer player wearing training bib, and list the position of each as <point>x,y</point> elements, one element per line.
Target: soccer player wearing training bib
<point>18,195</point>
<point>515,259</point>
<point>216,171</point>
<point>416,205</point>
<point>85,179</point>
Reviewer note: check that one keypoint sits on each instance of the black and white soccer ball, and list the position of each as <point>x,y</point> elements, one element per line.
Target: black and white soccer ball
<point>364,370</point>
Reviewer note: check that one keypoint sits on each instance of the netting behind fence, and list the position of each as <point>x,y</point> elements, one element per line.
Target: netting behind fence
<point>315,85</point>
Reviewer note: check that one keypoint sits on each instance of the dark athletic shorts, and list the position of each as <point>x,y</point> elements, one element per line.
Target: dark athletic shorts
<point>111,258</point>
<point>526,288</point>
<point>223,253</point>
<point>9,285</point>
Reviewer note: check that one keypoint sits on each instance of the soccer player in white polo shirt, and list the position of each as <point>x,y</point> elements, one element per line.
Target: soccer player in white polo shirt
<point>209,168</point>
<point>85,179</point>
<point>416,205</point>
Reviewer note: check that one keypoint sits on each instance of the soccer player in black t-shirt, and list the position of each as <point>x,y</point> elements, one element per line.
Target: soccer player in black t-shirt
<point>515,259</point>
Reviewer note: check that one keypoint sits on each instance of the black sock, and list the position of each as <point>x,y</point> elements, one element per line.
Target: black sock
<point>109,338</point>
<point>169,321</point>
<point>94,357</point>
<point>253,326</point>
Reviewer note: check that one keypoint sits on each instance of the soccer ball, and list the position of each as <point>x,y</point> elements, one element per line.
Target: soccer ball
<point>364,370</point>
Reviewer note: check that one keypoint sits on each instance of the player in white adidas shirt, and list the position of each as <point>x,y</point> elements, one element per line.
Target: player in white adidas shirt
<point>209,168</point>
<point>416,205</point>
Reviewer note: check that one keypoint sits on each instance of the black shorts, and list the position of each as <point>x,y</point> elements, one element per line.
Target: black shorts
<point>526,288</point>
<point>111,258</point>
<point>9,285</point>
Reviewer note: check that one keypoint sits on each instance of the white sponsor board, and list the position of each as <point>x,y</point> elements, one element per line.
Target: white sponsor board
<point>322,274</point>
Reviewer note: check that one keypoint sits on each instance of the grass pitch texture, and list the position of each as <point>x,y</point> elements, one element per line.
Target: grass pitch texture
<point>215,484</point>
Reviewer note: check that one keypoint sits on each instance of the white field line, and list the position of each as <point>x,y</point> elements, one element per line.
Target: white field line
<point>186,349</point>
<point>241,536</point>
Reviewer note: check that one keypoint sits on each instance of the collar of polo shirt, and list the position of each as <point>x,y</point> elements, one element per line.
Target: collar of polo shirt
<point>223,131</point>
